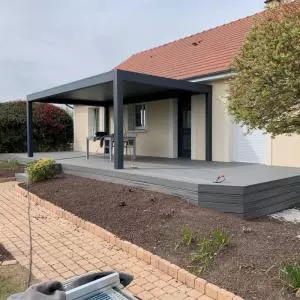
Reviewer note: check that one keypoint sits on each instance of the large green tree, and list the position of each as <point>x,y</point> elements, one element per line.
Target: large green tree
<point>265,92</point>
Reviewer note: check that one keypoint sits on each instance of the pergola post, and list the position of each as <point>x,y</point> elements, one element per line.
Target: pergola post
<point>29,129</point>
<point>208,125</point>
<point>118,120</point>
<point>106,119</point>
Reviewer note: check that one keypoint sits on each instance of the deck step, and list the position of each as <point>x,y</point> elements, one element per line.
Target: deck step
<point>22,177</point>
<point>189,196</point>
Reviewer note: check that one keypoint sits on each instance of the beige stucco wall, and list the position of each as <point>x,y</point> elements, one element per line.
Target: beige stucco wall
<point>285,151</point>
<point>80,130</point>
<point>83,127</point>
<point>198,147</point>
<point>160,137</point>
<point>155,141</point>
<point>221,123</point>
<point>281,151</point>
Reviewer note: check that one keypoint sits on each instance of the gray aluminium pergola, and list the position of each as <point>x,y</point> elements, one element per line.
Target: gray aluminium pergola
<point>115,88</point>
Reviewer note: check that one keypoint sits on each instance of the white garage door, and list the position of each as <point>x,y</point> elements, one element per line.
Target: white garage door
<point>251,148</point>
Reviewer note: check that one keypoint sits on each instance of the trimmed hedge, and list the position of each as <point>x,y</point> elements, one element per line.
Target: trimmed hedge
<point>52,127</point>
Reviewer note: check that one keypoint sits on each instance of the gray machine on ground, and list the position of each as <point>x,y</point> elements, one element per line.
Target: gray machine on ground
<point>93,286</point>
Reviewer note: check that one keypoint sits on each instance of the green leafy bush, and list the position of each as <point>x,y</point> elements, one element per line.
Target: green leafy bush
<point>209,248</point>
<point>52,127</point>
<point>267,74</point>
<point>290,274</point>
<point>40,170</point>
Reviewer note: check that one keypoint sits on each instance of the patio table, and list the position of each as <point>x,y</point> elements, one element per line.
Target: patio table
<point>128,140</point>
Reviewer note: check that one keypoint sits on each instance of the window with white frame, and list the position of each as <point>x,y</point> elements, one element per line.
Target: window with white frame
<point>140,116</point>
<point>137,117</point>
<point>95,120</point>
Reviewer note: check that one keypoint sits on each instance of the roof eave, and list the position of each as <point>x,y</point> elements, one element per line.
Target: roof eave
<point>211,76</point>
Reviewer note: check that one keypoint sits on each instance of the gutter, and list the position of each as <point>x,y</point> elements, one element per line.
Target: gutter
<point>212,76</point>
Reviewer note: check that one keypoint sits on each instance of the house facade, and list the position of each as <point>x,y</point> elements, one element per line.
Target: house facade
<point>176,127</point>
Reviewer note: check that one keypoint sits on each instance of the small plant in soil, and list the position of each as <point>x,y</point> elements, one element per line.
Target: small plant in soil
<point>187,236</point>
<point>290,274</point>
<point>209,248</point>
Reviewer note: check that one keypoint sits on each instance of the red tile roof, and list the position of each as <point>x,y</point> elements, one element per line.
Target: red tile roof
<point>196,55</point>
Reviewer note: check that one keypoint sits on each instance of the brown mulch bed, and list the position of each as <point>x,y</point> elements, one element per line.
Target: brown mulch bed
<point>4,254</point>
<point>248,267</point>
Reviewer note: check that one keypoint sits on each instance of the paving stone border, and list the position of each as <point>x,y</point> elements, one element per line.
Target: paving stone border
<point>163,265</point>
<point>8,262</point>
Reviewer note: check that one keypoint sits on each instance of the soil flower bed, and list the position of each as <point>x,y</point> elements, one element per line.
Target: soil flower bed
<point>248,266</point>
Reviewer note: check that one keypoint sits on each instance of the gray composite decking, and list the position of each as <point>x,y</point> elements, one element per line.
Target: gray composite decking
<point>250,190</point>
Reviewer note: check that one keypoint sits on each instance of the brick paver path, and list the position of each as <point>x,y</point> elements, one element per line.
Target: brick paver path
<point>62,250</point>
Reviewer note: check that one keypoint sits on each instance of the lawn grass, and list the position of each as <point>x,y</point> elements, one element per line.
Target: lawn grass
<point>10,164</point>
<point>8,168</point>
<point>12,280</point>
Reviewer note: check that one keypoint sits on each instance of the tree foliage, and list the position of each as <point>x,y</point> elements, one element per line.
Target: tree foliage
<point>52,127</point>
<point>265,92</point>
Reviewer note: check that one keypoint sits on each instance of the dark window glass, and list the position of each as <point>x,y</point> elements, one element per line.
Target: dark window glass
<point>140,116</point>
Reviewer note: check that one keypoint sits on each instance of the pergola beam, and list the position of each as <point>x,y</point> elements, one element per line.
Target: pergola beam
<point>73,86</point>
<point>167,94</point>
<point>164,82</point>
<point>75,101</point>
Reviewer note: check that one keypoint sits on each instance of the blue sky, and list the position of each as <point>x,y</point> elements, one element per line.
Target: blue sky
<point>46,43</point>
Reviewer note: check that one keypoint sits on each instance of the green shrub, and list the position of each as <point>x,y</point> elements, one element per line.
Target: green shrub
<point>209,248</point>
<point>290,274</point>
<point>40,170</point>
<point>52,127</point>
